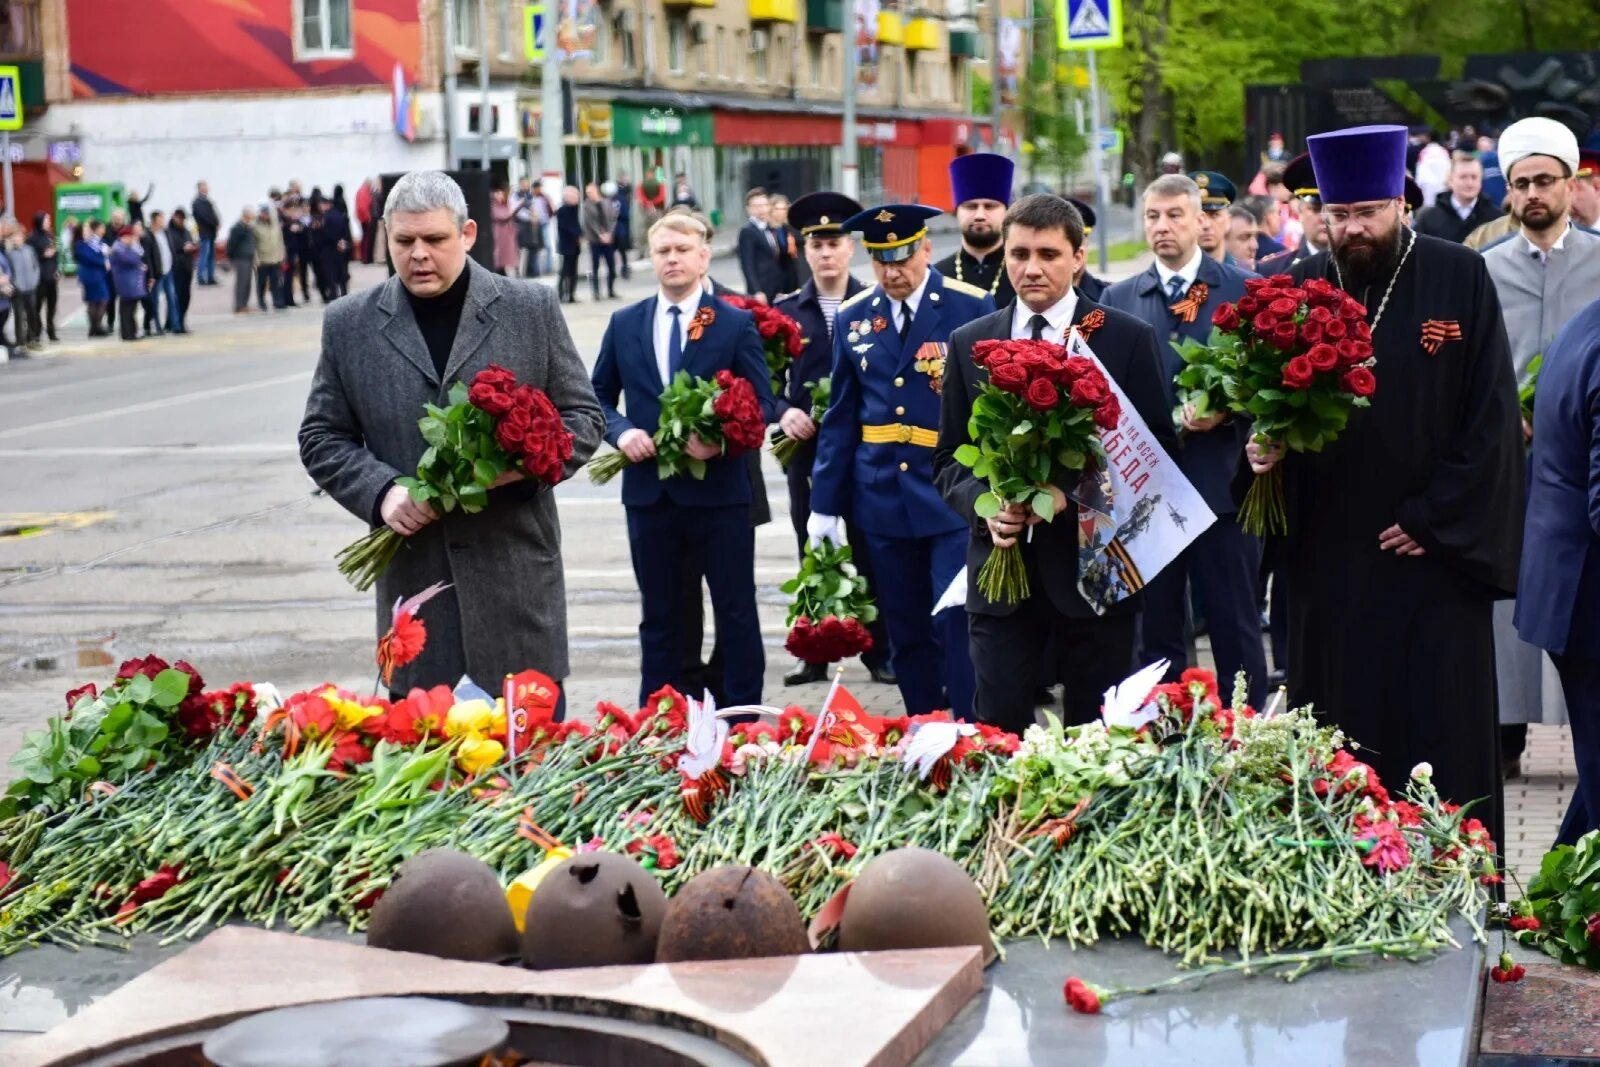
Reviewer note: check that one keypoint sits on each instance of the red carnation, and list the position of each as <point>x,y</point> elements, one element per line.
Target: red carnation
<point>1524,922</point>
<point>1360,381</point>
<point>1226,317</point>
<point>1323,356</point>
<point>1042,394</point>
<point>1298,373</point>
<point>1083,997</point>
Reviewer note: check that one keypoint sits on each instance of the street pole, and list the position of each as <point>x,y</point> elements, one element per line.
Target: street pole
<point>849,148</point>
<point>450,160</point>
<point>994,70</point>
<point>5,146</point>
<point>485,112</point>
<point>1097,162</point>
<point>551,161</point>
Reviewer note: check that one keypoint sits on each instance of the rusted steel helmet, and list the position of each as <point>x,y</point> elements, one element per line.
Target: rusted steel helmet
<point>594,910</point>
<point>448,904</point>
<point>731,913</point>
<point>914,898</point>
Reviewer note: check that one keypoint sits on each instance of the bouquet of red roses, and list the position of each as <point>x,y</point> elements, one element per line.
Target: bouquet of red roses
<point>832,606</point>
<point>780,336</point>
<point>1040,413</point>
<point>492,427</point>
<point>1294,358</point>
<point>723,411</point>
<point>783,446</point>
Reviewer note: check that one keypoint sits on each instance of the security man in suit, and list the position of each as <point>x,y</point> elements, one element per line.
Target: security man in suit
<point>1301,182</point>
<point>819,217</point>
<point>758,248</point>
<point>1014,644</point>
<point>875,450</point>
<point>682,327</point>
<point>1177,295</point>
<point>1090,286</point>
<point>1216,197</point>
<point>980,184</point>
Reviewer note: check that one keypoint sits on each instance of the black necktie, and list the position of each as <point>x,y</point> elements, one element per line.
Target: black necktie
<point>905,320</point>
<point>1037,326</point>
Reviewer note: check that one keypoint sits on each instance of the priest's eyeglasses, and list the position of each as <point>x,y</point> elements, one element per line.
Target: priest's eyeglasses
<point>1541,182</point>
<point>1366,215</point>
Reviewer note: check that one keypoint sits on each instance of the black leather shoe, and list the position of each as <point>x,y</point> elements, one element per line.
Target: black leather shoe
<point>883,674</point>
<point>803,672</point>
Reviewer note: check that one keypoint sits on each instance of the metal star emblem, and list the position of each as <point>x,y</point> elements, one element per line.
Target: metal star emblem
<point>893,237</point>
<point>883,216</point>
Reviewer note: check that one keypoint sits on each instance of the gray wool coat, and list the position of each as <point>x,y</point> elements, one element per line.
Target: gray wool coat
<point>507,609</point>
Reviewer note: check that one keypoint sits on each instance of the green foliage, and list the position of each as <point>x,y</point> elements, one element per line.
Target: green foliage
<point>1530,386</point>
<point>829,584</point>
<point>1565,896</point>
<point>463,458</point>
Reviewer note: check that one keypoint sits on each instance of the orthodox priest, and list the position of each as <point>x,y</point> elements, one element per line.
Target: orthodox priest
<point>1404,532</point>
<point>980,184</point>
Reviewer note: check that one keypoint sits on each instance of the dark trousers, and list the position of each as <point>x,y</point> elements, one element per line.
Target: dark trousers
<point>799,475</point>
<point>530,262</point>
<point>267,282</point>
<point>152,309</point>
<point>241,287</point>
<point>660,538</point>
<point>44,308</point>
<point>183,285</point>
<point>606,254</point>
<point>1223,564</point>
<point>27,308</point>
<point>1010,652</point>
<point>569,277</point>
<point>128,308</point>
<point>111,312</point>
<point>1580,684</point>
<point>932,661</point>
<point>97,316</point>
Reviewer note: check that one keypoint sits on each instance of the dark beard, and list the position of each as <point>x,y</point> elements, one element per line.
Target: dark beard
<point>1364,264</point>
<point>981,242</point>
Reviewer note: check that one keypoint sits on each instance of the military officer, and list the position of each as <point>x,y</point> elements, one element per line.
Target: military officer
<point>828,249</point>
<point>875,450</point>
<point>1216,197</point>
<point>1302,185</point>
<point>980,184</point>
<point>1087,284</point>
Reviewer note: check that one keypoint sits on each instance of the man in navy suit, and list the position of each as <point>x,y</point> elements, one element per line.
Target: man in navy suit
<point>875,450</point>
<point>683,327</point>
<point>820,219</point>
<point>1558,590</point>
<point>1012,644</point>
<point>758,249</point>
<point>1177,295</point>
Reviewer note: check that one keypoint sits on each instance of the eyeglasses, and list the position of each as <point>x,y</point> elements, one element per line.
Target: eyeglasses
<point>1540,182</point>
<point>1365,215</point>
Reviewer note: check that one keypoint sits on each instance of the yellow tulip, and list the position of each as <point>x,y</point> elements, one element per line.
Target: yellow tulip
<point>469,717</point>
<point>478,754</point>
<point>351,713</point>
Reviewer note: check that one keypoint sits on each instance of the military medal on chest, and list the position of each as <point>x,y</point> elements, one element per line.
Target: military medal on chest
<point>930,361</point>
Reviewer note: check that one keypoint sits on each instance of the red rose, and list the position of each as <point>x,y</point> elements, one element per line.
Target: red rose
<point>1347,351</point>
<point>1282,281</point>
<point>1226,317</point>
<point>1284,335</point>
<point>1009,378</point>
<point>1254,285</point>
<point>1298,373</point>
<point>1320,315</point>
<point>1042,394</point>
<point>496,378</point>
<point>1335,330</point>
<point>990,353</point>
<point>1310,332</point>
<point>82,691</point>
<point>724,379</point>
<point>1090,391</point>
<point>1249,305</point>
<point>1265,323</point>
<point>1323,356</point>
<point>1076,367</point>
<point>1109,413</point>
<point>1362,331</point>
<point>1352,310</point>
<point>1360,351</point>
<point>1295,293</point>
<point>1031,359</point>
<point>1360,381</point>
<point>1284,307</point>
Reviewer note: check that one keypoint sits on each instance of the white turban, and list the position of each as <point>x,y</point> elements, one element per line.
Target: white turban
<point>1537,137</point>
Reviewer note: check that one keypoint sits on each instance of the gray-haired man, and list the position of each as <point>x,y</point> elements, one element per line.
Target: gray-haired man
<point>388,351</point>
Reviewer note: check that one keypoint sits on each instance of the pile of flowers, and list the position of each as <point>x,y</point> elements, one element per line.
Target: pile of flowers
<point>832,606</point>
<point>1035,423</point>
<point>1297,359</point>
<point>1198,825</point>
<point>491,428</point>
<point>781,339</point>
<point>723,412</point>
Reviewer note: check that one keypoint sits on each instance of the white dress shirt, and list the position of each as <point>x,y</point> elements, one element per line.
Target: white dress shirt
<point>664,324</point>
<point>1058,317</point>
<point>164,250</point>
<point>1540,254</point>
<point>914,301</point>
<point>1190,271</point>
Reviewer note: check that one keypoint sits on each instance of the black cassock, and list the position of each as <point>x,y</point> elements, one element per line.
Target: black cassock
<point>1399,651</point>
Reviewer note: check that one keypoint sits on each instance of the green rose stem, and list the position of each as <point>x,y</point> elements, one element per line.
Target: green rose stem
<point>1261,513</point>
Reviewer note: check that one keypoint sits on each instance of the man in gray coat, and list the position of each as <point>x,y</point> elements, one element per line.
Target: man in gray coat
<point>388,351</point>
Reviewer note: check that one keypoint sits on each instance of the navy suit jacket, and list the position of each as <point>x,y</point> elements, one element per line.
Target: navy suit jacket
<point>815,360</point>
<point>1210,460</point>
<point>759,262</point>
<point>627,369</point>
<point>1558,591</point>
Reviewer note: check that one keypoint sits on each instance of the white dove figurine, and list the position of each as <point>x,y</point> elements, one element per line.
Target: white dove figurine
<point>1127,703</point>
<point>704,738</point>
<point>409,605</point>
<point>932,741</point>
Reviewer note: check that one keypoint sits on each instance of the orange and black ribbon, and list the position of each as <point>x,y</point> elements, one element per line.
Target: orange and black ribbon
<point>1092,322</point>
<point>1436,332</point>
<point>229,777</point>
<point>699,793</point>
<point>702,318</point>
<point>532,831</point>
<point>1189,307</point>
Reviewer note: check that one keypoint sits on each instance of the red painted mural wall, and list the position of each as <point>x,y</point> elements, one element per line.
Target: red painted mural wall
<point>151,47</point>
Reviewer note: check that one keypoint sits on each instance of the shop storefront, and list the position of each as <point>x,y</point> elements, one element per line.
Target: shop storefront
<point>656,143</point>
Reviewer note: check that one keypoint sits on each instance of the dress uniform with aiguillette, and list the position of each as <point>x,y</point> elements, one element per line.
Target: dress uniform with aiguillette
<point>981,176</point>
<point>822,215</point>
<point>875,456</point>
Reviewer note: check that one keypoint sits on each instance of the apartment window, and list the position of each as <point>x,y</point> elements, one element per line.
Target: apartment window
<point>722,53</point>
<point>507,30</point>
<point>602,43</point>
<point>622,29</point>
<point>814,58</point>
<point>677,35</point>
<point>324,27</point>
<point>758,57</point>
<point>468,32</point>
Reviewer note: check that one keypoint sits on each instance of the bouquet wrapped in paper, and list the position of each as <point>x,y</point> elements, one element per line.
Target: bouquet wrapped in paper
<point>1297,359</point>
<point>724,412</point>
<point>491,428</point>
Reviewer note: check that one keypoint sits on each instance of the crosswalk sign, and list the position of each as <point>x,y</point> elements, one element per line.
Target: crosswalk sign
<point>1086,24</point>
<point>10,99</point>
<point>533,32</point>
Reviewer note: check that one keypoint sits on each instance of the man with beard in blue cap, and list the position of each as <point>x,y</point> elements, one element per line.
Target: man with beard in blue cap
<point>1405,531</point>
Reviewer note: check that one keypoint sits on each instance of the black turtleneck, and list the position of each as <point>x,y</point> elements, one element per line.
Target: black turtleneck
<point>438,316</point>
